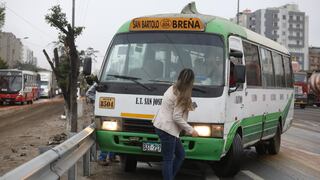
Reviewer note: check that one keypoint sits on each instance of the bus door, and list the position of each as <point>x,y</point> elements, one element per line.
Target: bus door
<point>236,101</point>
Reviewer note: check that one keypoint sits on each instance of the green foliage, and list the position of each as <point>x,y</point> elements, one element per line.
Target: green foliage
<point>56,16</point>
<point>64,70</point>
<point>2,15</point>
<point>58,19</point>
<point>3,64</point>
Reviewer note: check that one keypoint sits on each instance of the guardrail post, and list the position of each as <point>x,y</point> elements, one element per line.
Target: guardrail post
<point>86,164</point>
<point>72,172</point>
<point>93,149</point>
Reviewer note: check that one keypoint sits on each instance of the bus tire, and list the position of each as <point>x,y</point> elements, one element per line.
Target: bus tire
<point>274,143</point>
<point>261,148</point>
<point>128,163</point>
<point>229,165</point>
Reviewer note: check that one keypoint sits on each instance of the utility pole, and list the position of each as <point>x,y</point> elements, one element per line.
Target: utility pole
<point>238,13</point>
<point>72,172</point>
<point>73,4</point>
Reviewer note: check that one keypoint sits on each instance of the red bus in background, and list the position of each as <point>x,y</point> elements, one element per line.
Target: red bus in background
<point>18,86</point>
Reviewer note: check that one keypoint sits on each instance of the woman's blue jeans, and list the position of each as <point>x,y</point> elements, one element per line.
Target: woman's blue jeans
<point>172,153</point>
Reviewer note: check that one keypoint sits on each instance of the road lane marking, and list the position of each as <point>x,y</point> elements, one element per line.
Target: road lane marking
<point>252,175</point>
<point>301,150</point>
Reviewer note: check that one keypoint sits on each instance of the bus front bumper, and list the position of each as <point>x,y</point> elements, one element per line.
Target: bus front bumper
<point>197,148</point>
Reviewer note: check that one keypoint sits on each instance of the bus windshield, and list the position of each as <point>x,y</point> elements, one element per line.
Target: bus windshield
<point>158,57</point>
<point>300,78</point>
<point>43,83</point>
<point>10,83</point>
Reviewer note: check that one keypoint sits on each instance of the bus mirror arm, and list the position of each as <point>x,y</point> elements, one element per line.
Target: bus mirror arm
<point>233,89</point>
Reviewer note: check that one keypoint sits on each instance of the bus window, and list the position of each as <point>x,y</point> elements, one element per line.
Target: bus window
<point>278,70</point>
<point>253,70</point>
<point>288,71</point>
<point>267,68</point>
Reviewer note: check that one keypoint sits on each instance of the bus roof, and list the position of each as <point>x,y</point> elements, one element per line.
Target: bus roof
<point>17,70</point>
<point>218,25</point>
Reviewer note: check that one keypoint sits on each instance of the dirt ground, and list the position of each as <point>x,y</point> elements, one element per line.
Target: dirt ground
<point>26,129</point>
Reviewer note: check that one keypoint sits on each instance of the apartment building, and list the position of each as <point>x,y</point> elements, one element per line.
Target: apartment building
<point>286,24</point>
<point>10,48</point>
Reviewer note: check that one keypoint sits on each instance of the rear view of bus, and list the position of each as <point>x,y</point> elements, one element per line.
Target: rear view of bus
<point>236,108</point>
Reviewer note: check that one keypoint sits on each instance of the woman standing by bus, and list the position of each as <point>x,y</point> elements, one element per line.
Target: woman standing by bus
<point>171,120</point>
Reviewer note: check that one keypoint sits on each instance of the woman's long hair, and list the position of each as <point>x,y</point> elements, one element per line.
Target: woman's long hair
<point>183,89</point>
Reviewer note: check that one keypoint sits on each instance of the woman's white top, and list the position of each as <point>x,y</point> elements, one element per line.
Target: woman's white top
<point>170,117</point>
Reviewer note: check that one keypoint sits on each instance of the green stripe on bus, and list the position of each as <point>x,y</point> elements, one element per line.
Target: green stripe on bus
<point>124,27</point>
<point>286,110</point>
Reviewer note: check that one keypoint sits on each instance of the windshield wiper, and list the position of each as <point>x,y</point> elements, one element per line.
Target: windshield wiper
<point>199,90</point>
<point>133,79</point>
<point>163,81</point>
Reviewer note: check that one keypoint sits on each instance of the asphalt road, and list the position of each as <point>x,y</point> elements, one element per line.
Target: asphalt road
<point>299,158</point>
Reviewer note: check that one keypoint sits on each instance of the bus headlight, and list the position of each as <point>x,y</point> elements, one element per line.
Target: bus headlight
<point>209,130</point>
<point>203,130</point>
<point>111,124</point>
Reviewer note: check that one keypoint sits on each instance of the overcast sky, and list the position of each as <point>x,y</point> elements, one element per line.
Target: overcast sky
<point>102,18</point>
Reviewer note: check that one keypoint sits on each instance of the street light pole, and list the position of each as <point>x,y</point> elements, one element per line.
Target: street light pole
<point>73,9</point>
<point>238,13</point>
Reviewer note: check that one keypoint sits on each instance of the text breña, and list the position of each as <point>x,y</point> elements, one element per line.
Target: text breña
<point>186,24</point>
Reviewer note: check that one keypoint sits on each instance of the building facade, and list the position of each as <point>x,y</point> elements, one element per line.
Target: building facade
<point>28,56</point>
<point>10,49</point>
<point>286,24</point>
<point>314,58</point>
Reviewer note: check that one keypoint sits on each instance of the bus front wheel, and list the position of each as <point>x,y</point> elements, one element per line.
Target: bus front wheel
<point>229,165</point>
<point>128,163</point>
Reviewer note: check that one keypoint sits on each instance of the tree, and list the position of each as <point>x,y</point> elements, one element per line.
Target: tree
<point>2,15</point>
<point>3,64</point>
<point>66,68</point>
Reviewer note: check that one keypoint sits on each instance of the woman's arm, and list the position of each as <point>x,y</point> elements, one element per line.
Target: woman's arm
<point>178,119</point>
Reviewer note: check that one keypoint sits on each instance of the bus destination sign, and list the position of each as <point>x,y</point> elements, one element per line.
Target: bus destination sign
<point>166,24</point>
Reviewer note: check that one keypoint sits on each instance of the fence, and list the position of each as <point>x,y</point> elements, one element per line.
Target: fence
<point>55,162</point>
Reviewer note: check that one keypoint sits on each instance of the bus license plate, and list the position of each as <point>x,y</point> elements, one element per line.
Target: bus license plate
<point>151,147</point>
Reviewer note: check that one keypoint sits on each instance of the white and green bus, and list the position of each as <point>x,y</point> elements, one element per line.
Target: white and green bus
<point>243,88</point>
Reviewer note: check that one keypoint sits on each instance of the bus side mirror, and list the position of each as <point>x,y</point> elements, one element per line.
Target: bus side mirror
<point>240,73</point>
<point>236,54</point>
<point>87,66</point>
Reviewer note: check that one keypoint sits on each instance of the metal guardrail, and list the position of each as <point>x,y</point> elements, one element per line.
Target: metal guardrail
<point>55,162</point>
